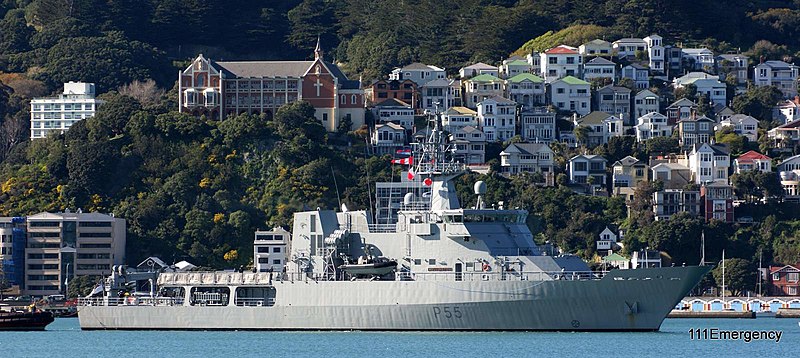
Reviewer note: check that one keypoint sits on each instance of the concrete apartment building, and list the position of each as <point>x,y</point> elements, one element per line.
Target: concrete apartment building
<point>270,249</point>
<point>57,114</point>
<point>62,246</point>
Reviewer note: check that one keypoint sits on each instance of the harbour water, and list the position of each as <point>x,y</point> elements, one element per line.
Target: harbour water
<point>64,338</point>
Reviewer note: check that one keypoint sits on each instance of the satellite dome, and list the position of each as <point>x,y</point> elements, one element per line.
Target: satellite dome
<point>480,187</point>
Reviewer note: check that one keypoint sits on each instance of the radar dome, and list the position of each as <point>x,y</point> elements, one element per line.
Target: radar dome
<point>480,187</point>
<point>408,198</point>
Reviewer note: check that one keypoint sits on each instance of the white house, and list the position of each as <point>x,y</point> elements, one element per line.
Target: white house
<point>513,66</point>
<point>735,64</point>
<point>752,160</point>
<point>638,73</point>
<point>655,53</point>
<point>709,85</point>
<point>709,163</point>
<point>789,171</point>
<point>629,171</point>
<point>439,91</point>
<point>478,69</point>
<point>652,125</point>
<point>743,125</point>
<point>588,169</point>
<point>787,111</point>
<point>458,117</point>
<point>607,240</point>
<point>599,67</point>
<point>615,100</point>
<point>602,126</point>
<point>779,74</point>
<point>538,124</point>
<point>420,73</point>
<point>571,94</point>
<point>387,138</point>
<point>526,89</point>
<point>470,145</point>
<point>57,114</point>
<point>561,61</point>
<point>645,102</point>
<point>701,59</point>
<point>527,158</point>
<point>535,61</point>
<point>596,47</point>
<point>627,47</point>
<point>496,118</point>
<point>395,111</point>
<point>481,87</point>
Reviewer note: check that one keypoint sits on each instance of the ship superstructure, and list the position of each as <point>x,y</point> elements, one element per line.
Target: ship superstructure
<point>439,267</point>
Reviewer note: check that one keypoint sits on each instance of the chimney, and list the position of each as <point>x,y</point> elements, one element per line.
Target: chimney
<point>761,59</point>
<point>797,99</point>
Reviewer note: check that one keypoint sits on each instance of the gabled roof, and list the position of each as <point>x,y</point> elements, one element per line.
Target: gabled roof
<point>720,109</point>
<point>614,89</point>
<point>460,110</point>
<point>596,117</point>
<point>439,82</point>
<point>645,92</point>
<point>499,100</point>
<point>777,65</point>
<point>614,257</point>
<point>251,69</point>
<point>718,149</point>
<point>792,268</point>
<point>416,66</point>
<point>599,61</point>
<point>629,39</point>
<point>696,50</point>
<point>628,161</point>
<point>683,102</point>
<point>393,102</point>
<point>751,156</point>
<point>741,118</point>
<point>525,77</point>
<point>484,78</point>
<point>790,159</point>
<point>670,166</point>
<point>480,66</point>
<point>470,129</point>
<point>518,62</point>
<point>391,125</point>
<point>697,119</point>
<point>570,80</point>
<point>598,42</point>
<point>561,50</point>
<point>526,148</point>
<point>590,157</point>
<point>638,66</point>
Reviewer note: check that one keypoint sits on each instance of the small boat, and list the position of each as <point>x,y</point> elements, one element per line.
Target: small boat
<point>376,268</point>
<point>25,321</point>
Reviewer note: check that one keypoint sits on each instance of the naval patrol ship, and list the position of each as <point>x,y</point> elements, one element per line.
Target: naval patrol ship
<point>439,267</point>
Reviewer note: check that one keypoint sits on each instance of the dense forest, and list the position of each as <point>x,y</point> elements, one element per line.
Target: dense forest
<point>196,189</point>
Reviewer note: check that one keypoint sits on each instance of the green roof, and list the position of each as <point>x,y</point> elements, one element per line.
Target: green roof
<point>518,63</point>
<point>484,78</point>
<point>574,81</point>
<point>525,76</point>
<point>614,257</point>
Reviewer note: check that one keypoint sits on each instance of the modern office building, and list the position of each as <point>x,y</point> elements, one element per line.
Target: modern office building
<point>57,114</point>
<point>12,250</point>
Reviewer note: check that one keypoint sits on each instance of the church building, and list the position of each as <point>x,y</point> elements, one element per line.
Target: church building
<point>218,89</point>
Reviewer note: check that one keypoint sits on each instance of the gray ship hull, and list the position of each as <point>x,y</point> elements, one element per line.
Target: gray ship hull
<point>624,300</point>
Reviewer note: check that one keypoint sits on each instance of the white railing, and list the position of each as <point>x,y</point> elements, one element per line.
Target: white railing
<point>131,301</point>
<point>499,276</point>
<point>255,302</point>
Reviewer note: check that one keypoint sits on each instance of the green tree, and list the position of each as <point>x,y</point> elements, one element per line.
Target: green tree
<point>662,145</point>
<point>14,33</point>
<point>757,102</point>
<point>740,275</point>
<point>112,116</point>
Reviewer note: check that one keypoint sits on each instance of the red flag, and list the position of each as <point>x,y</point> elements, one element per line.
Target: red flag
<point>427,182</point>
<point>407,161</point>
<point>411,174</point>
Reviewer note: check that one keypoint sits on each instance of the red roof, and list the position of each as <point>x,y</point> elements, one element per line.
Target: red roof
<point>792,268</point>
<point>751,156</point>
<point>561,50</point>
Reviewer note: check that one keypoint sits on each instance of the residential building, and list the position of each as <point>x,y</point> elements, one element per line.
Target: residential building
<point>404,90</point>
<point>614,260</point>
<point>717,200</point>
<point>752,160</point>
<point>646,259</point>
<point>615,100</point>
<point>785,137</point>
<point>673,175</point>
<point>12,250</point>
<point>526,89</point>
<point>629,171</point>
<point>607,241</point>
<point>538,124</point>
<point>696,130</point>
<point>528,158</point>
<point>656,53</point>
<point>62,246</point>
<point>561,61</point>
<point>513,66</point>
<point>674,60</point>
<point>218,89</point>
<point>645,102</point>
<point>721,113</point>
<point>779,74</point>
<point>535,61</point>
<point>628,47</point>
<point>734,64</point>
<point>496,118</point>
<point>700,59</point>
<point>715,91</point>
<point>639,74</point>
<point>599,67</point>
<point>419,73</point>
<point>589,170</point>
<point>478,69</point>
<point>682,109</point>
<point>270,250</point>
<point>787,111</point>
<point>481,87</point>
<point>395,111</point>
<point>789,171</point>
<point>601,127</point>
<point>669,202</point>
<point>743,125</point>
<point>438,95</point>
<point>709,163</point>
<point>652,125</point>
<point>784,280</point>
<point>387,138</point>
<point>57,114</point>
<point>459,117</point>
<point>596,47</point>
<point>470,145</point>
<point>571,94</point>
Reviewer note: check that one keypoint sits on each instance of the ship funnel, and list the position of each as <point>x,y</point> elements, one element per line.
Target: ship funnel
<point>408,198</point>
<point>480,189</point>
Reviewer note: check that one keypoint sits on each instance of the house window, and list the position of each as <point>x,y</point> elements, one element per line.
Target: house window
<point>353,99</point>
<point>792,277</point>
<point>791,291</point>
<point>324,117</point>
<point>776,276</point>
<point>552,60</point>
<point>276,250</point>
